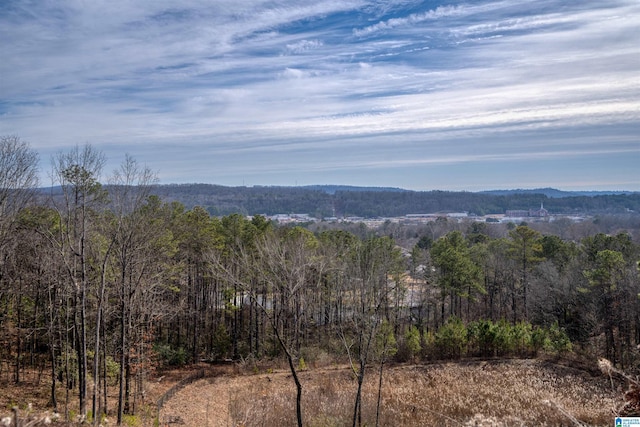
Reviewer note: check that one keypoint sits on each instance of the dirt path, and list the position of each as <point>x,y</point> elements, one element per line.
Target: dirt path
<point>195,405</point>
<point>204,402</point>
<point>207,402</point>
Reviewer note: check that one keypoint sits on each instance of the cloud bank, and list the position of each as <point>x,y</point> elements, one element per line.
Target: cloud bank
<point>421,95</point>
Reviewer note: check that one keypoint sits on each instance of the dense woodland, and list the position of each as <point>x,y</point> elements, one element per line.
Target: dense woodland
<point>107,281</point>
<point>341,201</point>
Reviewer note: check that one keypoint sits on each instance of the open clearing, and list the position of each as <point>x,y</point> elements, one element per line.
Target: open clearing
<point>479,393</point>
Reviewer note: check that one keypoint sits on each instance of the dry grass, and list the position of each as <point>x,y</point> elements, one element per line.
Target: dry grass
<point>511,393</point>
<point>32,397</point>
<point>631,405</point>
<point>490,393</point>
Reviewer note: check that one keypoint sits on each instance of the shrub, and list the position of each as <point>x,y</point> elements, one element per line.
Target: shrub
<point>302,365</point>
<point>171,356</point>
<point>558,339</point>
<point>131,420</point>
<point>410,345</point>
<point>522,337</point>
<point>429,344</point>
<point>540,339</point>
<point>451,339</point>
<point>113,367</point>
<point>412,340</point>
<point>552,339</point>
<point>482,337</point>
<point>221,342</point>
<point>485,338</point>
<point>505,340</point>
<point>316,356</point>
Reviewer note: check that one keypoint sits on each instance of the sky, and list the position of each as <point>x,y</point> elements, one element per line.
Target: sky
<point>421,95</point>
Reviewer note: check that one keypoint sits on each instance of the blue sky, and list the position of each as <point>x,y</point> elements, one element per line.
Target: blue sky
<point>415,94</point>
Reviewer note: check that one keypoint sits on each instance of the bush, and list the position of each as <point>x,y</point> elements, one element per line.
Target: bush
<point>540,339</point>
<point>451,339</point>
<point>131,420</point>
<point>505,339</point>
<point>486,339</point>
<point>171,356</point>
<point>316,356</point>
<point>113,367</point>
<point>410,346</point>
<point>302,365</point>
<point>429,344</point>
<point>553,339</point>
<point>482,338</point>
<point>221,343</point>
<point>412,341</point>
<point>558,339</point>
<point>522,338</point>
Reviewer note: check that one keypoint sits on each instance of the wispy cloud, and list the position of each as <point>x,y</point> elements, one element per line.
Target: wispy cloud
<point>415,18</point>
<point>346,83</point>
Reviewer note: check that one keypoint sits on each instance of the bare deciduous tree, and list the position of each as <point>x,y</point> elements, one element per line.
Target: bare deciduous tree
<point>131,232</point>
<point>18,179</point>
<point>369,288</point>
<point>284,265</point>
<point>130,186</point>
<point>77,172</point>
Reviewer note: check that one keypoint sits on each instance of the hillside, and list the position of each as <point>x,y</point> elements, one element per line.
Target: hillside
<point>339,201</point>
<point>480,393</point>
<point>554,193</point>
<point>492,392</point>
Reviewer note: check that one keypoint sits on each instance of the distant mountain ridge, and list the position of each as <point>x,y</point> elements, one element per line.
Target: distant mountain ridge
<point>333,189</point>
<point>323,201</point>
<point>555,193</point>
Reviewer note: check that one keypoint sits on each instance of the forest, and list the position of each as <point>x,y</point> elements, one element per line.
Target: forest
<point>371,202</point>
<point>107,281</point>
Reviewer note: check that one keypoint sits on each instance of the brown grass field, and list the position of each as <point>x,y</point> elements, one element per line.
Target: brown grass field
<point>505,392</point>
<point>482,393</point>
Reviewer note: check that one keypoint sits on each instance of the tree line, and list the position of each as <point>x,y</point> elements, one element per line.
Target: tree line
<point>104,282</point>
<point>373,202</point>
